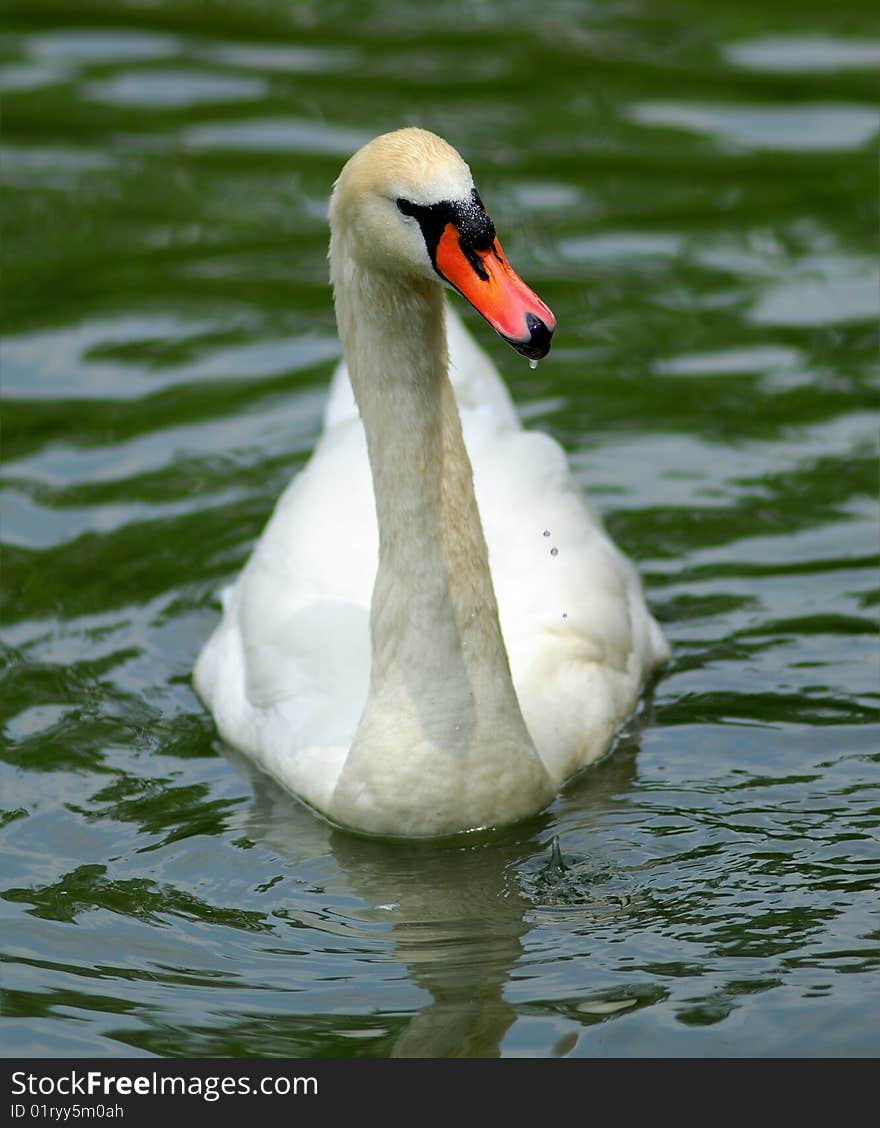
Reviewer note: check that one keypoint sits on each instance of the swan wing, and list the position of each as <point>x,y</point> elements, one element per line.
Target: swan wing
<point>286,672</point>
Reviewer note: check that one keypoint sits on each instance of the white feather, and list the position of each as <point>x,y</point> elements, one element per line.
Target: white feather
<point>287,673</point>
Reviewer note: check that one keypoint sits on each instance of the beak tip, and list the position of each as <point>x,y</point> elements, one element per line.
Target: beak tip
<point>537,345</point>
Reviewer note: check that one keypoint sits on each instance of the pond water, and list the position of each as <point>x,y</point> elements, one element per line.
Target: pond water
<point>693,190</point>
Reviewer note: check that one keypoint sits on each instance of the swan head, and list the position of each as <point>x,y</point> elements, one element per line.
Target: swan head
<point>406,204</point>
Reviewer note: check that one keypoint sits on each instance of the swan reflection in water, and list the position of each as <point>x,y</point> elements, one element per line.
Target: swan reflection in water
<point>451,917</point>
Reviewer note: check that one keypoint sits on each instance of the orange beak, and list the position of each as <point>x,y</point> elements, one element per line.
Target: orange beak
<point>496,291</point>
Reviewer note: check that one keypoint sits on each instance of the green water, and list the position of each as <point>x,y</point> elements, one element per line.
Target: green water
<point>693,189</point>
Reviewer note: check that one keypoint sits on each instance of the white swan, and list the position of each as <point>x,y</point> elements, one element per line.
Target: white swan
<point>362,659</point>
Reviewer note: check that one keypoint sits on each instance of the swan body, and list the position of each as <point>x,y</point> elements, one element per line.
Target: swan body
<point>434,630</point>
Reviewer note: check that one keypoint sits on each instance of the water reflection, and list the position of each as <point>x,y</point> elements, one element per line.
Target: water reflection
<point>454,917</point>
<point>805,54</point>
<point>455,914</point>
<point>816,127</point>
<point>175,89</point>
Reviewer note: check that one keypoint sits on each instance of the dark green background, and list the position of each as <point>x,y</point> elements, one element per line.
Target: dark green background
<point>693,189</point>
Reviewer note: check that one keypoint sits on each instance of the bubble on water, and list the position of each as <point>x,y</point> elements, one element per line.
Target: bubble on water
<point>554,551</point>
<point>574,886</point>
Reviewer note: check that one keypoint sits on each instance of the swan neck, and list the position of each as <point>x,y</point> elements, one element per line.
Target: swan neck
<point>433,578</point>
<point>441,743</point>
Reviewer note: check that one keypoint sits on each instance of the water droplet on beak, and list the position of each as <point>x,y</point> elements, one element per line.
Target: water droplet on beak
<point>533,364</point>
